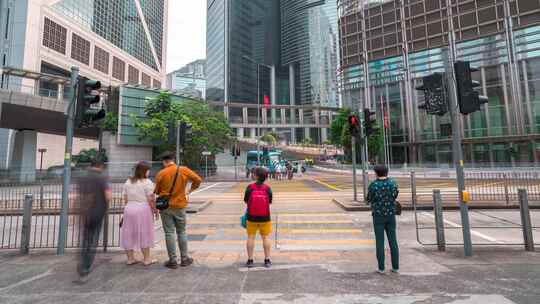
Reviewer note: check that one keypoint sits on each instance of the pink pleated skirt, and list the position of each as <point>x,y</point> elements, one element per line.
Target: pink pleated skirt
<point>137,230</point>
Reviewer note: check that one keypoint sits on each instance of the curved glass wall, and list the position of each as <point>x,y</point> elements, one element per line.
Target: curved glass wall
<point>310,43</point>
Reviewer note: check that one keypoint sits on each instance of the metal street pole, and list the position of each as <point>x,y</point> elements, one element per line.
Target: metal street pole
<point>363,153</point>
<point>41,151</point>
<point>355,191</point>
<point>62,230</point>
<point>178,142</point>
<point>258,117</point>
<point>456,131</point>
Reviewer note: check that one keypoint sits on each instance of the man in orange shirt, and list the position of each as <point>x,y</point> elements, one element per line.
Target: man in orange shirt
<point>174,218</point>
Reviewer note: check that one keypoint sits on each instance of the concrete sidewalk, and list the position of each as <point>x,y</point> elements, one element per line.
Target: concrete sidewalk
<point>494,276</point>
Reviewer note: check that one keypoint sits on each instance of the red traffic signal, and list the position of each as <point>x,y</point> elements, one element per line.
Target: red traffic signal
<point>354,125</point>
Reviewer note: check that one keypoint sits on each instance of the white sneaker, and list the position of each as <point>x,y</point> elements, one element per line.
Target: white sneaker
<point>379,271</point>
<point>395,271</point>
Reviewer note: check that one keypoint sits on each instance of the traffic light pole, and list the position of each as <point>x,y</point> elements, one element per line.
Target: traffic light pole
<point>178,123</point>
<point>353,151</point>
<point>458,152</point>
<point>62,230</point>
<point>364,155</point>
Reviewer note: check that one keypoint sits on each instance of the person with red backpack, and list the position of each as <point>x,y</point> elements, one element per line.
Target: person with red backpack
<point>258,197</point>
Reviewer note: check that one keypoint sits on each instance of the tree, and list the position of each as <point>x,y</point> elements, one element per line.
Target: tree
<point>86,156</point>
<point>269,139</point>
<point>337,126</point>
<point>210,129</point>
<point>376,144</point>
<point>110,122</point>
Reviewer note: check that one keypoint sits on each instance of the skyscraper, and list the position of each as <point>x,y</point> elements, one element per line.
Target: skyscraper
<point>114,41</point>
<point>406,40</point>
<point>283,52</point>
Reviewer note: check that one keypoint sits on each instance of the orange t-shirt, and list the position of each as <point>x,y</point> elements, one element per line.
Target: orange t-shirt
<point>165,178</point>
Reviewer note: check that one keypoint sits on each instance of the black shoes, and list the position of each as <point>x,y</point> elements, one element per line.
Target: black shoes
<point>251,264</point>
<point>186,262</point>
<point>171,264</point>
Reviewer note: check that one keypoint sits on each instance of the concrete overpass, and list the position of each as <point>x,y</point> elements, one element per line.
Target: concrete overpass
<point>23,109</point>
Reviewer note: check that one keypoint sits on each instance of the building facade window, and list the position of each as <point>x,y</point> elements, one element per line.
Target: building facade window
<point>157,84</point>
<point>80,49</point>
<point>101,60</point>
<point>54,36</point>
<point>133,75</point>
<point>146,80</point>
<point>119,69</point>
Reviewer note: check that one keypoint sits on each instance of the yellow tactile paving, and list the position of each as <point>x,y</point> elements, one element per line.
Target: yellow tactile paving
<point>277,186</point>
<point>290,242</point>
<point>241,231</point>
<point>237,221</point>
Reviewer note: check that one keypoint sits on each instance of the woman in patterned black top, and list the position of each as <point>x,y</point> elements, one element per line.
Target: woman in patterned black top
<point>382,194</point>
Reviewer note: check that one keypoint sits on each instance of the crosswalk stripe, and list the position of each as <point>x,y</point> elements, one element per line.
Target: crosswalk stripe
<point>292,242</point>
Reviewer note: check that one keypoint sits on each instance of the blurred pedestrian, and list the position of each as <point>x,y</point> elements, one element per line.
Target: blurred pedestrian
<point>258,197</point>
<point>94,195</point>
<point>137,228</point>
<point>382,195</point>
<point>171,181</point>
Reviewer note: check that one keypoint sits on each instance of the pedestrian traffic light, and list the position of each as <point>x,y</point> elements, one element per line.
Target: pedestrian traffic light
<point>235,150</point>
<point>469,100</point>
<point>171,133</point>
<point>354,125</point>
<point>185,133</point>
<point>369,122</point>
<point>87,112</point>
<point>435,95</point>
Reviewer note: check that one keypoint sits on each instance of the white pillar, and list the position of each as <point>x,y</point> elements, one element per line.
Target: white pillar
<point>60,95</point>
<point>253,133</point>
<point>324,134</point>
<point>273,92</point>
<point>23,165</point>
<point>292,97</point>
<point>293,135</point>
<point>245,115</point>
<point>307,133</point>
<point>240,132</point>
<point>283,115</point>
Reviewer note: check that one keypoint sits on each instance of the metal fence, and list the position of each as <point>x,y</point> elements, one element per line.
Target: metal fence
<point>502,186</point>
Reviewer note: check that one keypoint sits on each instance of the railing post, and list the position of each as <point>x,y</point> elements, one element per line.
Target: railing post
<point>26,224</point>
<point>439,221</point>
<point>106,231</point>
<point>526,220</point>
<point>506,192</point>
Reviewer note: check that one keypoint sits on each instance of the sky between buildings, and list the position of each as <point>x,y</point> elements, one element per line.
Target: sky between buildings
<point>187,32</point>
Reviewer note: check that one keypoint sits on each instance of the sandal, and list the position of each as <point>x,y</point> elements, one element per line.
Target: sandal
<point>151,262</point>
<point>132,263</point>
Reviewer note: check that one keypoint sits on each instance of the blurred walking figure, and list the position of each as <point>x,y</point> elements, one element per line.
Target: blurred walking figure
<point>174,217</point>
<point>382,194</point>
<point>137,228</point>
<point>94,195</point>
<point>258,197</point>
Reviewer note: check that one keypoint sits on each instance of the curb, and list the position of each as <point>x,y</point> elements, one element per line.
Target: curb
<point>198,207</point>
<point>360,206</point>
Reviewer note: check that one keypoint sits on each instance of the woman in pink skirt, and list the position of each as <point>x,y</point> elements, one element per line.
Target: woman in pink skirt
<point>137,231</point>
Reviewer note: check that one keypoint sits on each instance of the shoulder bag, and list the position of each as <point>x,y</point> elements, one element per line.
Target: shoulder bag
<point>162,202</point>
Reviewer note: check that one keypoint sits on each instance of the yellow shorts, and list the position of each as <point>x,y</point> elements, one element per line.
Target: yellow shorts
<point>264,228</point>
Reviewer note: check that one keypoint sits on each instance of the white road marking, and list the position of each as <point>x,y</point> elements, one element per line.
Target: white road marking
<point>205,188</point>
<point>31,279</point>
<point>473,232</point>
<point>278,267</point>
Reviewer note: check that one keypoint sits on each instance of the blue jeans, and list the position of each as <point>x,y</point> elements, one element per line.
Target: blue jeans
<point>174,226</point>
<point>388,224</point>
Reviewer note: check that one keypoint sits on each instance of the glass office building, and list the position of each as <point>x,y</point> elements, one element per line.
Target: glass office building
<point>296,43</point>
<point>120,23</point>
<point>506,132</point>
<point>310,47</point>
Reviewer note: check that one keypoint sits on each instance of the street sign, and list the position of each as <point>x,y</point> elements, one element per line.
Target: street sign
<point>207,153</point>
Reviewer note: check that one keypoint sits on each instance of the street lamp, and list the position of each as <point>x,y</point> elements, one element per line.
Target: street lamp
<point>246,57</point>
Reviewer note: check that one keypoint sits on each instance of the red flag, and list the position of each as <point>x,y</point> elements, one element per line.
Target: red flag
<point>266,101</point>
<point>386,121</point>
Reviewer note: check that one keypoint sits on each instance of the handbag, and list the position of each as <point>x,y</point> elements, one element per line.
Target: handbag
<point>398,208</point>
<point>162,202</point>
<point>243,220</point>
